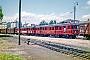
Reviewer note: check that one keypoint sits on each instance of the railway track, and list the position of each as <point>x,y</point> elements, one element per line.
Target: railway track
<point>63,48</point>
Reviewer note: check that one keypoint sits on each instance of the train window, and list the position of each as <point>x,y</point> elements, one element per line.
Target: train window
<point>68,27</point>
<point>38,28</point>
<point>52,28</point>
<point>56,27</point>
<point>49,28</point>
<point>60,28</point>
<point>64,26</point>
<point>74,27</point>
<point>45,28</point>
<point>24,29</point>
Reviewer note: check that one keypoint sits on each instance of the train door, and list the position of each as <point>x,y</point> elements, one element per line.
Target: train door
<point>64,28</point>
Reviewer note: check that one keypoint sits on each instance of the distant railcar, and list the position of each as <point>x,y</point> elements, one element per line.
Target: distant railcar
<point>85,28</point>
<point>3,31</point>
<point>66,30</point>
<point>11,30</point>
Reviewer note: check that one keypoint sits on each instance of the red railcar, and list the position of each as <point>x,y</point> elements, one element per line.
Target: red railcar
<point>26,30</point>
<point>58,30</point>
<point>11,30</point>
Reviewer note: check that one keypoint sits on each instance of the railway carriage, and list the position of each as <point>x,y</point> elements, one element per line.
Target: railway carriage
<point>11,30</point>
<point>17,30</point>
<point>33,30</point>
<point>58,30</point>
<point>3,31</point>
<point>24,30</point>
<point>66,30</point>
<point>85,28</point>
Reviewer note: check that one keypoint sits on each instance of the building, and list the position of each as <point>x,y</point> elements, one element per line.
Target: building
<point>13,24</point>
<point>0,20</point>
<point>3,25</point>
<point>8,25</point>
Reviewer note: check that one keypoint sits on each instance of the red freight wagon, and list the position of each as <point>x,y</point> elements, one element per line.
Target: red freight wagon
<point>85,28</point>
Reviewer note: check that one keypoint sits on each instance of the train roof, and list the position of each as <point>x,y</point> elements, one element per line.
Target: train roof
<point>63,24</point>
<point>28,27</point>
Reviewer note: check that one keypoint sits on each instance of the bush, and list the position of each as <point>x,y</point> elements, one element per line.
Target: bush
<point>5,35</point>
<point>88,37</point>
<point>4,56</point>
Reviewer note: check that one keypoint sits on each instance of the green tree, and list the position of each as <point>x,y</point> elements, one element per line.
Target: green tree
<point>88,19</point>
<point>43,23</point>
<point>51,22</point>
<point>54,22</point>
<point>1,14</point>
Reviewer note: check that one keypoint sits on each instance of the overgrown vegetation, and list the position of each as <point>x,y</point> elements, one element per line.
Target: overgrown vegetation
<point>0,38</point>
<point>5,35</point>
<point>88,37</point>
<point>6,45</point>
<point>4,56</point>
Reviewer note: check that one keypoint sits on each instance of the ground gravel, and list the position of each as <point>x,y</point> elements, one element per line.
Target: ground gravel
<point>32,51</point>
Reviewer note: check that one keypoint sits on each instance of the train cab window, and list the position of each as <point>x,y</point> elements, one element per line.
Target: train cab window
<point>68,27</point>
<point>74,27</point>
<point>60,28</point>
<point>52,28</point>
<point>56,27</point>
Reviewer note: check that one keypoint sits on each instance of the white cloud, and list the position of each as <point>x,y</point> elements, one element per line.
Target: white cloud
<point>36,18</point>
<point>64,14</point>
<point>88,5</point>
<point>86,16</point>
<point>88,2</point>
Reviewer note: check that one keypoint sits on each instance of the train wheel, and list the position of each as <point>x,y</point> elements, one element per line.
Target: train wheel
<point>73,37</point>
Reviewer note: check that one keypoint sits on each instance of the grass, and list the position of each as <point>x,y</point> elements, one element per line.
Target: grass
<point>4,56</point>
<point>0,38</point>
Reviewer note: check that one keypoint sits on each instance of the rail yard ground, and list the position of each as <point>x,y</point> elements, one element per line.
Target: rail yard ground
<point>36,52</point>
<point>76,42</point>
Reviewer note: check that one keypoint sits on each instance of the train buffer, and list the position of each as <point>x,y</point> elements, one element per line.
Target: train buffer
<point>28,40</point>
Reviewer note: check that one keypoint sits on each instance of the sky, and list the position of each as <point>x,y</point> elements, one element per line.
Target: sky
<point>34,11</point>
